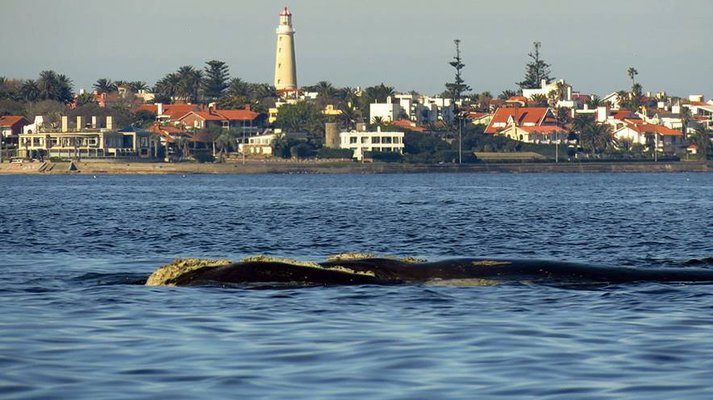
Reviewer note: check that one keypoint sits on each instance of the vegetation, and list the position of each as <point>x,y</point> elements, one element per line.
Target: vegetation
<point>458,86</point>
<point>300,117</point>
<point>536,70</point>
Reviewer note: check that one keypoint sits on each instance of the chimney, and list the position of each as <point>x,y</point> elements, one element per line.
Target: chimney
<point>159,108</point>
<point>80,123</point>
<point>543,83</point>
<point>388,100</point>
<point>109,122</point>
<point>360,127</point>
<point>569,93</point>
<point>65,123</point>
<point>94,122</point>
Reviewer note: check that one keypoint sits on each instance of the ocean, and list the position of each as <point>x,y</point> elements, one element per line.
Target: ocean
<point>74,323</point>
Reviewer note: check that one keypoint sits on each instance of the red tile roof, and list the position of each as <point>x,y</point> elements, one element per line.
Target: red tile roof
<point>12,120</point>
<point>173,111</point>
<point>652,128</point>
<point>406,124</point>
<point>224,115</point>
<point>521,115</point>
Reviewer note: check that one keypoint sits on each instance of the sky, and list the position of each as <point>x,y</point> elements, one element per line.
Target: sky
<point>403,43</point>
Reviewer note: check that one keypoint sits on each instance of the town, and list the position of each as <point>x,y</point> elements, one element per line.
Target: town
<point>201,114</point>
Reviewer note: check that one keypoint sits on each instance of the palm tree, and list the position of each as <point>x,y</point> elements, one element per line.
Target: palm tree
<point>29,91</point>
<point>595,102</point>
<point>54,86</point>
<point>137,86</point>
<point>189,83</point>
<point>225,140</point>
<point>701,138</point>
<point>324,89</point>
<point>632,72</point>
<point>597,137</point>
<point>104,85</point>
<point>540,100</point>
<point>506,94</point>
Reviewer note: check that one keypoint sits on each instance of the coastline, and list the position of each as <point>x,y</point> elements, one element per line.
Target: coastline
<point>339,167</point>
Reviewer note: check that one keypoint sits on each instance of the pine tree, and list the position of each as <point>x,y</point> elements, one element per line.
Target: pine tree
<point>216,79</point>
<point>536,70</point>
<point>458,86</point>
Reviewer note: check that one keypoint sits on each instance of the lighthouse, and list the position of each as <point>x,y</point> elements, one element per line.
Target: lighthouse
<point>285,67</point>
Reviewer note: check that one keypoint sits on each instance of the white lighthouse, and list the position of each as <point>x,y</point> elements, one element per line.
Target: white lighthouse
<point>285,67</point>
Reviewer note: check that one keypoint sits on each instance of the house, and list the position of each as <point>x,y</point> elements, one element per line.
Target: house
<point>87,142</point>
<point>386,112</point>
<point>259,145</point>
<point>664,139</point>
<point>535,134</point>
<point>361,142</point>
<point>168,113</point>
<point>245,120</point>
<point>479,118</point>
<point>564,98</point>
<point>407,125</point>
<point>520,116</point>
<point>11,125</point>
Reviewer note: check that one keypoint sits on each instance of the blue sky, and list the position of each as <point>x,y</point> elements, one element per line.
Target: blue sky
<point>406,43</point>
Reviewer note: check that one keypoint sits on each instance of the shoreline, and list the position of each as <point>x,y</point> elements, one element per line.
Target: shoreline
<point>339,167</point>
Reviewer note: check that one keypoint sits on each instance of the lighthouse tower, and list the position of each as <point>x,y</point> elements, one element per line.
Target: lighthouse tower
<point>285,68</point>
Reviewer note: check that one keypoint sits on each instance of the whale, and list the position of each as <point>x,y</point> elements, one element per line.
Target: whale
<point>368,269</point>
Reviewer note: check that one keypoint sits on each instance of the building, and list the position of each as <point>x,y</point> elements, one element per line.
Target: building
<point>665,140</point>
<point>561,89</point>
<point>11,125</point>
<point>285,66</point>
<point>521,117</point>
<point>245,120</point>
<point>545,134</point>
<point>361,142</point>
<point>386,112</point>
<point>260,145</point>
<point>81,141</point>
<point>169,113</point>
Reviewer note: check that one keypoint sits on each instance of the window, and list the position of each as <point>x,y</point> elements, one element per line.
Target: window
<point>364,140</point>
<point>352,140</point>
<point>376,139</point>
<point>386,139</point>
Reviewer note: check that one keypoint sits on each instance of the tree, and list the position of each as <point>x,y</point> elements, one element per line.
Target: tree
<point>166,89</point>
<point>595,102</point>
<point>506,94</point>
<point>632,72</point>
<point>29,91</point>
<point>701,138</point>
<point>216,79</point>
<point>137,86</point>
<point>536,70</point>
<point>540,100</point>
<point>596,137</point>
<point>189,83</point>
<point>104,85</point>
<point>54,86</point>
<point>458,86</point>
<point>300,117</point>
<point>84,98</point>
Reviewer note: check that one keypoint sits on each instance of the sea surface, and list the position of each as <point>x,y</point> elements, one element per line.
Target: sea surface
<point>75,325</point>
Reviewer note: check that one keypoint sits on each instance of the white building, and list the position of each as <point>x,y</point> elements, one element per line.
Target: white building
<point>387,112</point>
<point>361,142</point>
<point>260,145</point>
<point>546,88</point>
